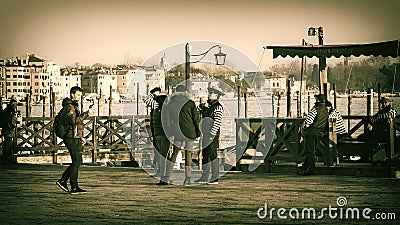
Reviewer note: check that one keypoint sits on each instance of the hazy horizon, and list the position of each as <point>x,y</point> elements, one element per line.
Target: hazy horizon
<point>110,32</point>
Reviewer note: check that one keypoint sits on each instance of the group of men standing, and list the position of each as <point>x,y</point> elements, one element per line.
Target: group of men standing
<point>176,119</point>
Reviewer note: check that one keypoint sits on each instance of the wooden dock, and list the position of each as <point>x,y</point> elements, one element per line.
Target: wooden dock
<point>118,195</point>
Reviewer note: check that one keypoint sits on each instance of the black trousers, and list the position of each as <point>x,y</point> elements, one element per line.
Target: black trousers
<point>162,145</point>
<point>8,151</point>
<point>75,149</point>
<point>310,142</point>
<point>210,158</point>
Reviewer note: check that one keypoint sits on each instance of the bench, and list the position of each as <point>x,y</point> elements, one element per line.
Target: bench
<point>366,150</point>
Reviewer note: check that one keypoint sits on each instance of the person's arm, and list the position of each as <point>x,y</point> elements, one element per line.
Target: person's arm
<point>12,121</point>
<point>71,118</point>
<point>391,114</point>
<point>310,117</point>
<point>340,128</point>
<point>150,101</point>
<point>218,112</point>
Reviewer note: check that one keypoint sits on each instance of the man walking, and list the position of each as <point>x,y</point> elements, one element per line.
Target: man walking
<point>211,113</point>
<point>73,119</point>
<point>183,124</point>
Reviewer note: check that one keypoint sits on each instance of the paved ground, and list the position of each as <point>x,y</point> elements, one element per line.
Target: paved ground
<point>28,195</point>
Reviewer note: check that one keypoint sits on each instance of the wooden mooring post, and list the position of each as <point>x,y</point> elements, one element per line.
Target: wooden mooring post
<point>245,104</point>
<point>379,95</point>
<point>349,106</point>
<point>238,101</point>
<point>110,102</point>
<point>273,105</point>
<point>370,102</point>
<point>288,100</point>
<point>298,104</point>
<point>278,106</point>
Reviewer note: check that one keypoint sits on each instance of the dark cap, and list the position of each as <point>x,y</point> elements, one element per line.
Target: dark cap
<point>320,97</point>
<point>215,90</point>
<point>385,99</point>
<point>180,88</point>
<point>155,89</point>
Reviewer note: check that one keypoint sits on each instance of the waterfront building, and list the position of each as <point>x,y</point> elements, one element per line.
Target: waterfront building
<point>68,79</point>
<point>275,84</point>
<point>26,74</point>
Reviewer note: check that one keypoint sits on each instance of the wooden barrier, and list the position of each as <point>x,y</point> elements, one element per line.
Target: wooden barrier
<point>279,139</point>
<point>117,133</point>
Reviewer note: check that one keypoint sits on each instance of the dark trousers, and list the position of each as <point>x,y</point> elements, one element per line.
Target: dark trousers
<point>75,149</point>
<point>188,157</point>
<point>162,145</point>
<point>210,158</point>
<point>310,144</point>
<point>8,150</point>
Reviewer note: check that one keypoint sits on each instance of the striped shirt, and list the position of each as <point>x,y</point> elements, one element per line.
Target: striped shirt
<point>310,117</point>
<point>150,102</point>
<point>218,112</point>
<point>340,129</point>
<point>384,114</point>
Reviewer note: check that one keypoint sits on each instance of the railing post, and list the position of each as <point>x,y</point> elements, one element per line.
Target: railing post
<point>392,137</point>
<point>132,138</point>
<point>238,144</point>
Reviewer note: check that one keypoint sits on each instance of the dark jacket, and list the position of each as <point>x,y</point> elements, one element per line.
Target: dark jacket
<point>155,122</point>
<point>214,114</point>
<point>319,125</point>
<point>183,118</point>
<point>73,118</point>
<point>10,120</point>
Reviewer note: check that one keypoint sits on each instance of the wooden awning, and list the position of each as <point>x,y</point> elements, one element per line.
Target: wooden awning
<point>388,48</point>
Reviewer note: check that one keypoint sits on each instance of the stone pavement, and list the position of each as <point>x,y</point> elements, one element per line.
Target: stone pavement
<point>117,195</point>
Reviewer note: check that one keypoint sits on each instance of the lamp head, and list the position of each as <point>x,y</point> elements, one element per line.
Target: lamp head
<point>220,58</point>
<point>312,31</point>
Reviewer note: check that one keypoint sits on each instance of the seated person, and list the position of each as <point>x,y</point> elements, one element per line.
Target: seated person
<point>379,122</point>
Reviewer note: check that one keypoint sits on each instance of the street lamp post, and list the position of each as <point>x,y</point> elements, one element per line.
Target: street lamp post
<point>219,60</point>
<point>323,78</point>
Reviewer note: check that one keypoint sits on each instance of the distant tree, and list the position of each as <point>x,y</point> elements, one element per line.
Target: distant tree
<point>390,72</point>
<point>173,80</point>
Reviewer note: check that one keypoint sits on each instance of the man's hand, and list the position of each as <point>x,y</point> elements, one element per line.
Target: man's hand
<point>90,110</point>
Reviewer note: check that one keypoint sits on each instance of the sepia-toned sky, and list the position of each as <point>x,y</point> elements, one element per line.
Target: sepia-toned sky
<point>111,31</point>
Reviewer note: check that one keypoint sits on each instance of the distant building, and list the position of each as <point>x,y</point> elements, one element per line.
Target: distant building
<point>164,62</point>
<point>275,84</point>
<point>132,80</point>
<point>69,77</point>
<point>199,86</point>
<point>29,74</point>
